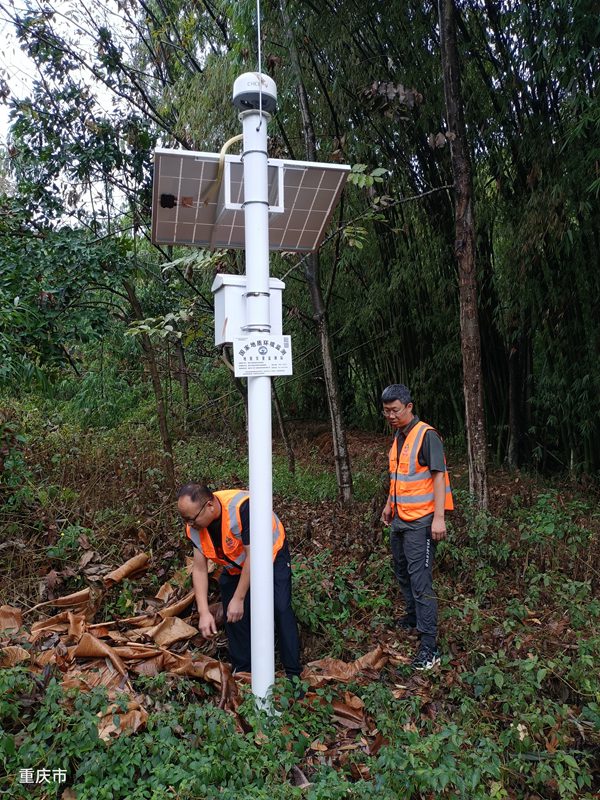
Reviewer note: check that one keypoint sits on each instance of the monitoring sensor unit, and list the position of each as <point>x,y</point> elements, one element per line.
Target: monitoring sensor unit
<point>253,91</point>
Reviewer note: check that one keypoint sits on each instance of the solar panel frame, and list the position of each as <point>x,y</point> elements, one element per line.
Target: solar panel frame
<point>202,217</point>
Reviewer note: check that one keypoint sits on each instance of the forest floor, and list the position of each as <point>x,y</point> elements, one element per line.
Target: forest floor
<point>513,710</point>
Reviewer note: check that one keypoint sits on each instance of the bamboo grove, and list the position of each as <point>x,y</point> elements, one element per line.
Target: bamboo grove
<point>360,83</point>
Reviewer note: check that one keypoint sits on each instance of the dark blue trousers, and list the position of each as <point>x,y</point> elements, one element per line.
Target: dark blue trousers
<point>286,628</point>
<point>413,553</point>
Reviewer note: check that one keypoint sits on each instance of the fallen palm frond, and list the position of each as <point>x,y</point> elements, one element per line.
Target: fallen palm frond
<point>107,653</point>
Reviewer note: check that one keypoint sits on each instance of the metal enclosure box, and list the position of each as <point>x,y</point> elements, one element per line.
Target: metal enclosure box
<point>230,307</point>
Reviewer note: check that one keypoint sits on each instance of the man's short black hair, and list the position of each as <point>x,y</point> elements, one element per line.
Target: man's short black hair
<point>195,491</point>
<point>396,391</point>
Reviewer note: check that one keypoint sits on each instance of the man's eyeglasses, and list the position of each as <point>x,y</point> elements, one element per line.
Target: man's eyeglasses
<point>393,412</point>
<point>192,521</point>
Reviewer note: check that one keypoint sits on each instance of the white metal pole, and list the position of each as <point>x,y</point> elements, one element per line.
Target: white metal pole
<point>256,216</point>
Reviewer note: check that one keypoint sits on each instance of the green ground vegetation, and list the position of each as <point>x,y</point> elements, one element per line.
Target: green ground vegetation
<point>513,711</point>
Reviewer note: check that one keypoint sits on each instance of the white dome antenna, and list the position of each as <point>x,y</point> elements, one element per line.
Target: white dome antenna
<point>248,89</point>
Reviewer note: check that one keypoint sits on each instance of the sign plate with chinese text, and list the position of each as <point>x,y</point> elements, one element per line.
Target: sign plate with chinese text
<point>261,354</point>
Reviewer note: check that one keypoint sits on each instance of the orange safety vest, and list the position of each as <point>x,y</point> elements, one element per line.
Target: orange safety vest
<point>411,485</point>
<point>231,533</point>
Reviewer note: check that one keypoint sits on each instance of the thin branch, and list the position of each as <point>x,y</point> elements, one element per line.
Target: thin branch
<point>338,230</point>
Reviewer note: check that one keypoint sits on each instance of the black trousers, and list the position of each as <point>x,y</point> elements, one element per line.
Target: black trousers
<point>286,628</point>
<point>413,553</point>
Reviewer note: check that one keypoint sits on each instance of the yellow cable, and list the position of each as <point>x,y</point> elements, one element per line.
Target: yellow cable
<point>216,185</point>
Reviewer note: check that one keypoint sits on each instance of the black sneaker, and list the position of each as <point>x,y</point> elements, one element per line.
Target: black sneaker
<point>405,623</point>
<point>426,658</point>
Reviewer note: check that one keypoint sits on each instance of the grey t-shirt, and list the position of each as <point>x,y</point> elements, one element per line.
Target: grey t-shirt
<point>430,455</point>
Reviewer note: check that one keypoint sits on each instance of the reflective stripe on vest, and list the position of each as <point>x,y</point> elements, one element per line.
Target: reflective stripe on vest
<point>231,533</point>
<point>411,484</point>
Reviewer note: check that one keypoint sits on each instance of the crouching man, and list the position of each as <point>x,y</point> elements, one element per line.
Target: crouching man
<point>218,525</point>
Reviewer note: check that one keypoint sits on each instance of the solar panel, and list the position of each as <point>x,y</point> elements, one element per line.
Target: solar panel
<point>190,207</point>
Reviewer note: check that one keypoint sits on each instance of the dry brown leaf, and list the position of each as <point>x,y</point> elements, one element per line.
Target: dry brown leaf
<point>10,618</point>
<point>178,607</point>
<point>377,744</point>
<point>397,660</point>
<point>144,620</point>
<point>360,772</point>
<point>150,667</point>
<point>202,667</point>
<point>95,673</point>
<point>77,625</point>
<point>353,700</point>
<point>558,627</point>
<point>63,657</point>
<point>13,654</point>
<point>299,778</point>
<point>129,569</point>
<point>96,572</point>
<point>165,592</point>
<point>134,651</point>
<point>101,630</point>
<point>348,716</point>
<point>134,636</point>
<point>318,746</point>
<point>77,600</point>
<point>95,601</point>
<point>86,558</point>
<point>115,722</point>
<point>332,669</point>
<point>58,623</point>
<point>52,579</point>
<point>68,794</point>
<point>395,657</point>
<point>230,695</point>
<point>43,658</point>
<point>90,647</point>
<point>169,631</point>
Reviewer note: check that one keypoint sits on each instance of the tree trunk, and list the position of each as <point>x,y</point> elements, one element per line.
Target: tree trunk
<point>340,448</point>
<point>464,248</point>
<point>289,449</point>
<point>182,376</point>
<point>513,455</point>
<point>518,398</point>
<point>311,272</point>
<point>161,410</point>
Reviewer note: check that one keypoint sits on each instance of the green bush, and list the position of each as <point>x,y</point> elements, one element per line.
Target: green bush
<point>338,606</point>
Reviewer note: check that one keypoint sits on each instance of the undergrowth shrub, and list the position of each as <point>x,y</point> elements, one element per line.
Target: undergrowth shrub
<point>16,479</point>
<point>337,605</point>
<point>552,536</point>
<point>105,397</point>
<point>192,749</point>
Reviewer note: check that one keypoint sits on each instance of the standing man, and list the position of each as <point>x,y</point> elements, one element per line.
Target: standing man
<point>418,498</point>
<point>218,525</point>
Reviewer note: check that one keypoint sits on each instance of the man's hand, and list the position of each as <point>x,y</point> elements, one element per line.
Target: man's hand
<point>387,513</point>
<point>438,524</point>
<point>438,529</point>
<point>235,609</point>
<point>207,625</point>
